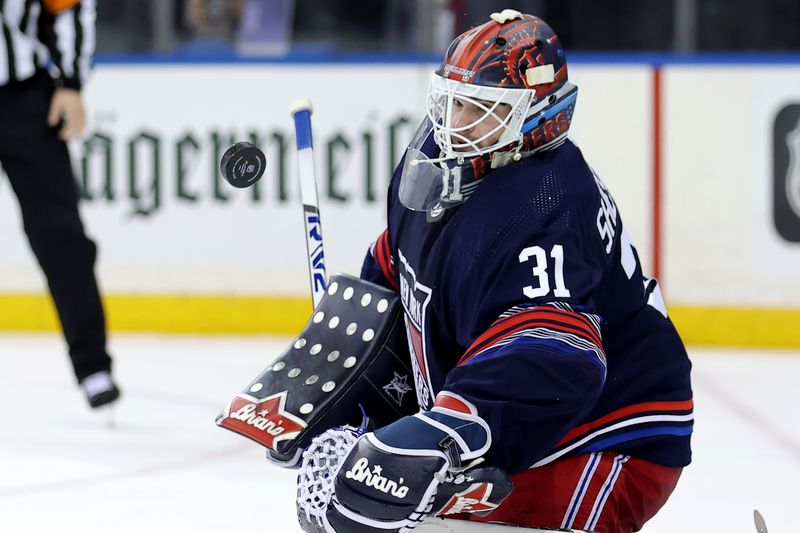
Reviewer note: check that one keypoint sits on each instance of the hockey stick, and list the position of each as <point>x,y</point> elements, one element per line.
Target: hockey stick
<point>301,111</point>
<point>761,526</point>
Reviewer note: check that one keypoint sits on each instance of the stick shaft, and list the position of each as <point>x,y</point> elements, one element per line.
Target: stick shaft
<point>301,111</point>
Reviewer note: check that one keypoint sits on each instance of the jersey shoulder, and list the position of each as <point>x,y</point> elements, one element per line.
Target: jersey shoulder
<point>539,196</point>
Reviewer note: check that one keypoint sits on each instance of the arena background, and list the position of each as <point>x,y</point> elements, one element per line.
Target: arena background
<point>693,148</point>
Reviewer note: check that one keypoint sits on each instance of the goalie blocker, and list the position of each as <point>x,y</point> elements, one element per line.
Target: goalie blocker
<point>351,355</point>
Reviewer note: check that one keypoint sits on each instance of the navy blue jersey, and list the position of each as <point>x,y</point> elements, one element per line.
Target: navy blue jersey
<point>528,302</point>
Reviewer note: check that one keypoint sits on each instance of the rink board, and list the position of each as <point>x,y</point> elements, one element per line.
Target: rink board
<point>181,251</point>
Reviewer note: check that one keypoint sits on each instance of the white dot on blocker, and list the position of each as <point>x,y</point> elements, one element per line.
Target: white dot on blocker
<point>383,305</point>
<point>366,299</point>
<point>299,343</point>
<point>348,293</point>
<point>319,317</point>
<point>333,288</point>
<point>315,349</point>
<point>256,387</point>
<point>293,373</point>
<point>333,322</point>
<point>306,408</point>
<point>352,327</point>
<point>333,356</point>
<point>328,386</point>
<point>277,367</point>
<point>349,362</point>
<point>368,335</point>
<point>311,380</point>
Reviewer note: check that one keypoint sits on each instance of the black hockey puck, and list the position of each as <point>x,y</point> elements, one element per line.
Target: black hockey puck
<point>242,164</point>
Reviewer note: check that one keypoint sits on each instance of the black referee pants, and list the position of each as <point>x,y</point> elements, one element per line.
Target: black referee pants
<point>38,166</point>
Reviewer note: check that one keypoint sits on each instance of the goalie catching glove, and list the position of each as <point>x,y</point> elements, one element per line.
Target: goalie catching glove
<point>387,480</point>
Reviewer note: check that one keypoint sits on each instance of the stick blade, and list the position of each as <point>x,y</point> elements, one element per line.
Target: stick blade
<point>761,526</point>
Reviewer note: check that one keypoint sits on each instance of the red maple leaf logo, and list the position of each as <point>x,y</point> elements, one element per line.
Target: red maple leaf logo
<point>473,500</point>
<point>266,421</point>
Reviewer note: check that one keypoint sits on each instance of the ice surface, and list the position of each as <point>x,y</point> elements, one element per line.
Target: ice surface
<point>166,466</point>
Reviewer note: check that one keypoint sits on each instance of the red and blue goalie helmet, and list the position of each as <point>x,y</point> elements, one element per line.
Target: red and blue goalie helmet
<point>511,75</point>
<point>513,59</point>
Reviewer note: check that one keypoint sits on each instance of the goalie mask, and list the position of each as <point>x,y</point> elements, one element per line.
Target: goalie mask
<point>500,94</point>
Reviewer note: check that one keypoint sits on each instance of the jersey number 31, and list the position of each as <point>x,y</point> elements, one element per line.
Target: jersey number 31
<point>538,255</point>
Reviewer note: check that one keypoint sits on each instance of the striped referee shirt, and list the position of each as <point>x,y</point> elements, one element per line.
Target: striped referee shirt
<point>51,34</point>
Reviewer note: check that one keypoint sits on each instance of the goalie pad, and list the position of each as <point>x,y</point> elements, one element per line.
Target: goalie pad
<point>352,354</point>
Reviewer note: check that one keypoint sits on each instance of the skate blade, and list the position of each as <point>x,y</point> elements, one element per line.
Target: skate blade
<point>109,415</point>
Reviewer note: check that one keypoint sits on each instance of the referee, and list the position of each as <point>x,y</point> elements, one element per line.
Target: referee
<point>46,49</point>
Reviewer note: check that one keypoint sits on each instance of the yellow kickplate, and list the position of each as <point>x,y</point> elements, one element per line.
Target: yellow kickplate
<point>738,326</point>
<point>286,315</point>
<point>169,313</point>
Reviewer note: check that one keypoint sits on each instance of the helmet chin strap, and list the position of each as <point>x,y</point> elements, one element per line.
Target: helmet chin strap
<point>501,158</point>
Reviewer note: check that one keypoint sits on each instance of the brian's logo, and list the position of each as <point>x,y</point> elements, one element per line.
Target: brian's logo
<point>786,173</point>
<point>415,297</point>
<point>266,421</point>
<point>373,478</point>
